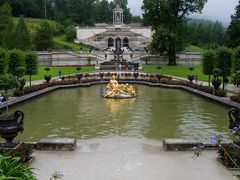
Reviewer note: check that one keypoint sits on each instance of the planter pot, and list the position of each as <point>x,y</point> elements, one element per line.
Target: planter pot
<point>10,125</point>
<point>216,83</point>
<point>159,76</point>
<point>79,76</point>
<point>191,78</point>
<point>135,74</point>
<point>101,75</point>
<point>47,78</point>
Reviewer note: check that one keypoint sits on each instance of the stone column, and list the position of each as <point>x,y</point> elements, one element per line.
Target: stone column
<point>121,17</point>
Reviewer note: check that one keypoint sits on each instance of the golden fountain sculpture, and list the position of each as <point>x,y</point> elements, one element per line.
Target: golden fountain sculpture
<point>120,91</point>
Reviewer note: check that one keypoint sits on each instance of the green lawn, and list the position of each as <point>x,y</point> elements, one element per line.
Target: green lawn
<point>54,71</point>
<point>192,48</point>
<point>61,43</point>
<point>180,71</point>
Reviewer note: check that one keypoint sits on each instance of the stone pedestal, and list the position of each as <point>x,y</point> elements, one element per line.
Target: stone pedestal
<point>57,144</point>
<point>180,144</point>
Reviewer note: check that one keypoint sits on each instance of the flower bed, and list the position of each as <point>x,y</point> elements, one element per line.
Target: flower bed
<point>229,155</point>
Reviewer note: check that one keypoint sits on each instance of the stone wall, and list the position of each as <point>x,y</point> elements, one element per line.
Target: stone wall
<point>146,32</point>
<point>85,33</point>
<point>183,59</point>
<point>63,59</point>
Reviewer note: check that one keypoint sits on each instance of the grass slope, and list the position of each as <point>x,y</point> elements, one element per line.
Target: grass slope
<point>61,43</point>
<point>54,71</point>
<point>33,23</point>
<point>191,48</point>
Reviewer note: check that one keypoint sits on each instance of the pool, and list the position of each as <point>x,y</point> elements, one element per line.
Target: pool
<point>156,113</point>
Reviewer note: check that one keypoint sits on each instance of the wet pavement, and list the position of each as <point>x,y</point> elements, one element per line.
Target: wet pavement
<point>121,158</point>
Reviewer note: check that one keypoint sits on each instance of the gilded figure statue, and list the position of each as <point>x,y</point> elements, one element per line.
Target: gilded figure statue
<point>115,90</point>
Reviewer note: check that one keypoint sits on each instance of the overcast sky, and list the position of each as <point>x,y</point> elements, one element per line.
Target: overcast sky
<point>214,9</point>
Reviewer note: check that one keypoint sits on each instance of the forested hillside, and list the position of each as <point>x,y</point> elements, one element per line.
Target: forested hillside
<point>81,12</point>
<point>64,15</point>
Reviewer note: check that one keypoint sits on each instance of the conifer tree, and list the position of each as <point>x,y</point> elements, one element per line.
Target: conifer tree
<point>22,36</point>
<point>6,27</point>
<point>44,37</point>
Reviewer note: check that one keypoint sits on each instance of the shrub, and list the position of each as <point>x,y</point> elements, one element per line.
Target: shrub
<point>78,68</point>
<point>220,93</point>
<point>24,151</point>
<point>235,99</point>
<point>18,92</point>
<point>12,168</point>
<point>228,154</point>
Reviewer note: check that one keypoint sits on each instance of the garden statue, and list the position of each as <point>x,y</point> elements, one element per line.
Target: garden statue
<point>10,125</point>
<point>120,91</point>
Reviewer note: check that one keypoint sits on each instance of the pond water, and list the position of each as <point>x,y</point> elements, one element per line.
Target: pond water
<point>156,113</point>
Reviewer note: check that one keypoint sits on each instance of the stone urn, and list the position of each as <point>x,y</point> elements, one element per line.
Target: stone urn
<point>10,126</point>
<point>159,76</point>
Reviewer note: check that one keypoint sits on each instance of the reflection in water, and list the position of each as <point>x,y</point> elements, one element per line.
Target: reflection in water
<point>155,113</point>
<point>116,105</point>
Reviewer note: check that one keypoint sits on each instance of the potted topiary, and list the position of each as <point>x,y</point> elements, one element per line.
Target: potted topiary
<point>89,59</point>
<point>101,74</point>
<point>8,82</point>
<point>47,77</point>
<point>79,76</point>
<point>159,76</point>
<point>190,76</point>
<point>135,74</point>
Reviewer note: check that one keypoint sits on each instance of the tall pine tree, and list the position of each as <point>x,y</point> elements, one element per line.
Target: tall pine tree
<point>22,36</point>
<point>44,37</point>
<point>233,32</point>
<point>6,27</point>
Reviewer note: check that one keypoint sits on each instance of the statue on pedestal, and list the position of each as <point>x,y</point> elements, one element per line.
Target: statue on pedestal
<point>120,91</point>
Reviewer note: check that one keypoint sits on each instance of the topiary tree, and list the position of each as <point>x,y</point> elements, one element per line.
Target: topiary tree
<point>15,60</point>
<point>208,63</point>
<point>8,82</point>
<point>3,61</point>
<point>20,73</point>
<point>191,76</point>
<point>224,61</point>
<point>31,65</point>
<point>236,60</point>
<point>78,68</point>
<point>89,59</point>
<point>47,77</point>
